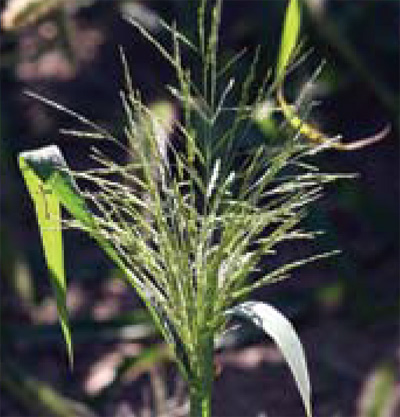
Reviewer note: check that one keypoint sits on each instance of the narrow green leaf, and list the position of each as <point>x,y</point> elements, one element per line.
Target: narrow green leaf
<point>282,332</point>
<point>290,34</point>
<point>49,219</point>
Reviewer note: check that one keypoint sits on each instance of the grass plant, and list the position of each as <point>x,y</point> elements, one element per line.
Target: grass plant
<point>191,220</point>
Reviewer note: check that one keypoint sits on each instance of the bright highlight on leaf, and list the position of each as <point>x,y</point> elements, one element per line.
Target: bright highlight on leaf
<point>282,332</point>
<point>291,30</point>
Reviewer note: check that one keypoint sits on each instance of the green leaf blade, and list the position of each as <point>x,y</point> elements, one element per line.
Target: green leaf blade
<point>48,214</point>
<point>282,332</point>
<point>290,34</point>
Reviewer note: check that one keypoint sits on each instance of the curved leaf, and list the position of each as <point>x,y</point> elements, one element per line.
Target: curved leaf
<point>282,332</point>
<point>290,34</point>
<point>47,209</point>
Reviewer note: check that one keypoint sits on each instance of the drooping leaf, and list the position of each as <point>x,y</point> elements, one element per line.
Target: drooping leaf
<point>290,34</point>
<point>282,332</point>
<point>49,219</point>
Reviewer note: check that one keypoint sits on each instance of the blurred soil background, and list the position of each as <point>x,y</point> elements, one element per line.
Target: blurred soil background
<point>345,309</point>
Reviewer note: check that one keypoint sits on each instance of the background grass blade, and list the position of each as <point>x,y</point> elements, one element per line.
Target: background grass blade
<point>290,34</point>
<point>282,332</point>
<point>37,397</point>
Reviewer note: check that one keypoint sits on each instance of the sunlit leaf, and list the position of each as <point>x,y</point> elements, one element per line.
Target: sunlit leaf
<point>282,332</point>
<point>49,219</point>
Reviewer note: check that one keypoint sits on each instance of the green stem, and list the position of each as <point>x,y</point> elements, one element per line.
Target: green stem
<point>200,388</point>
<point>200,403</point>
